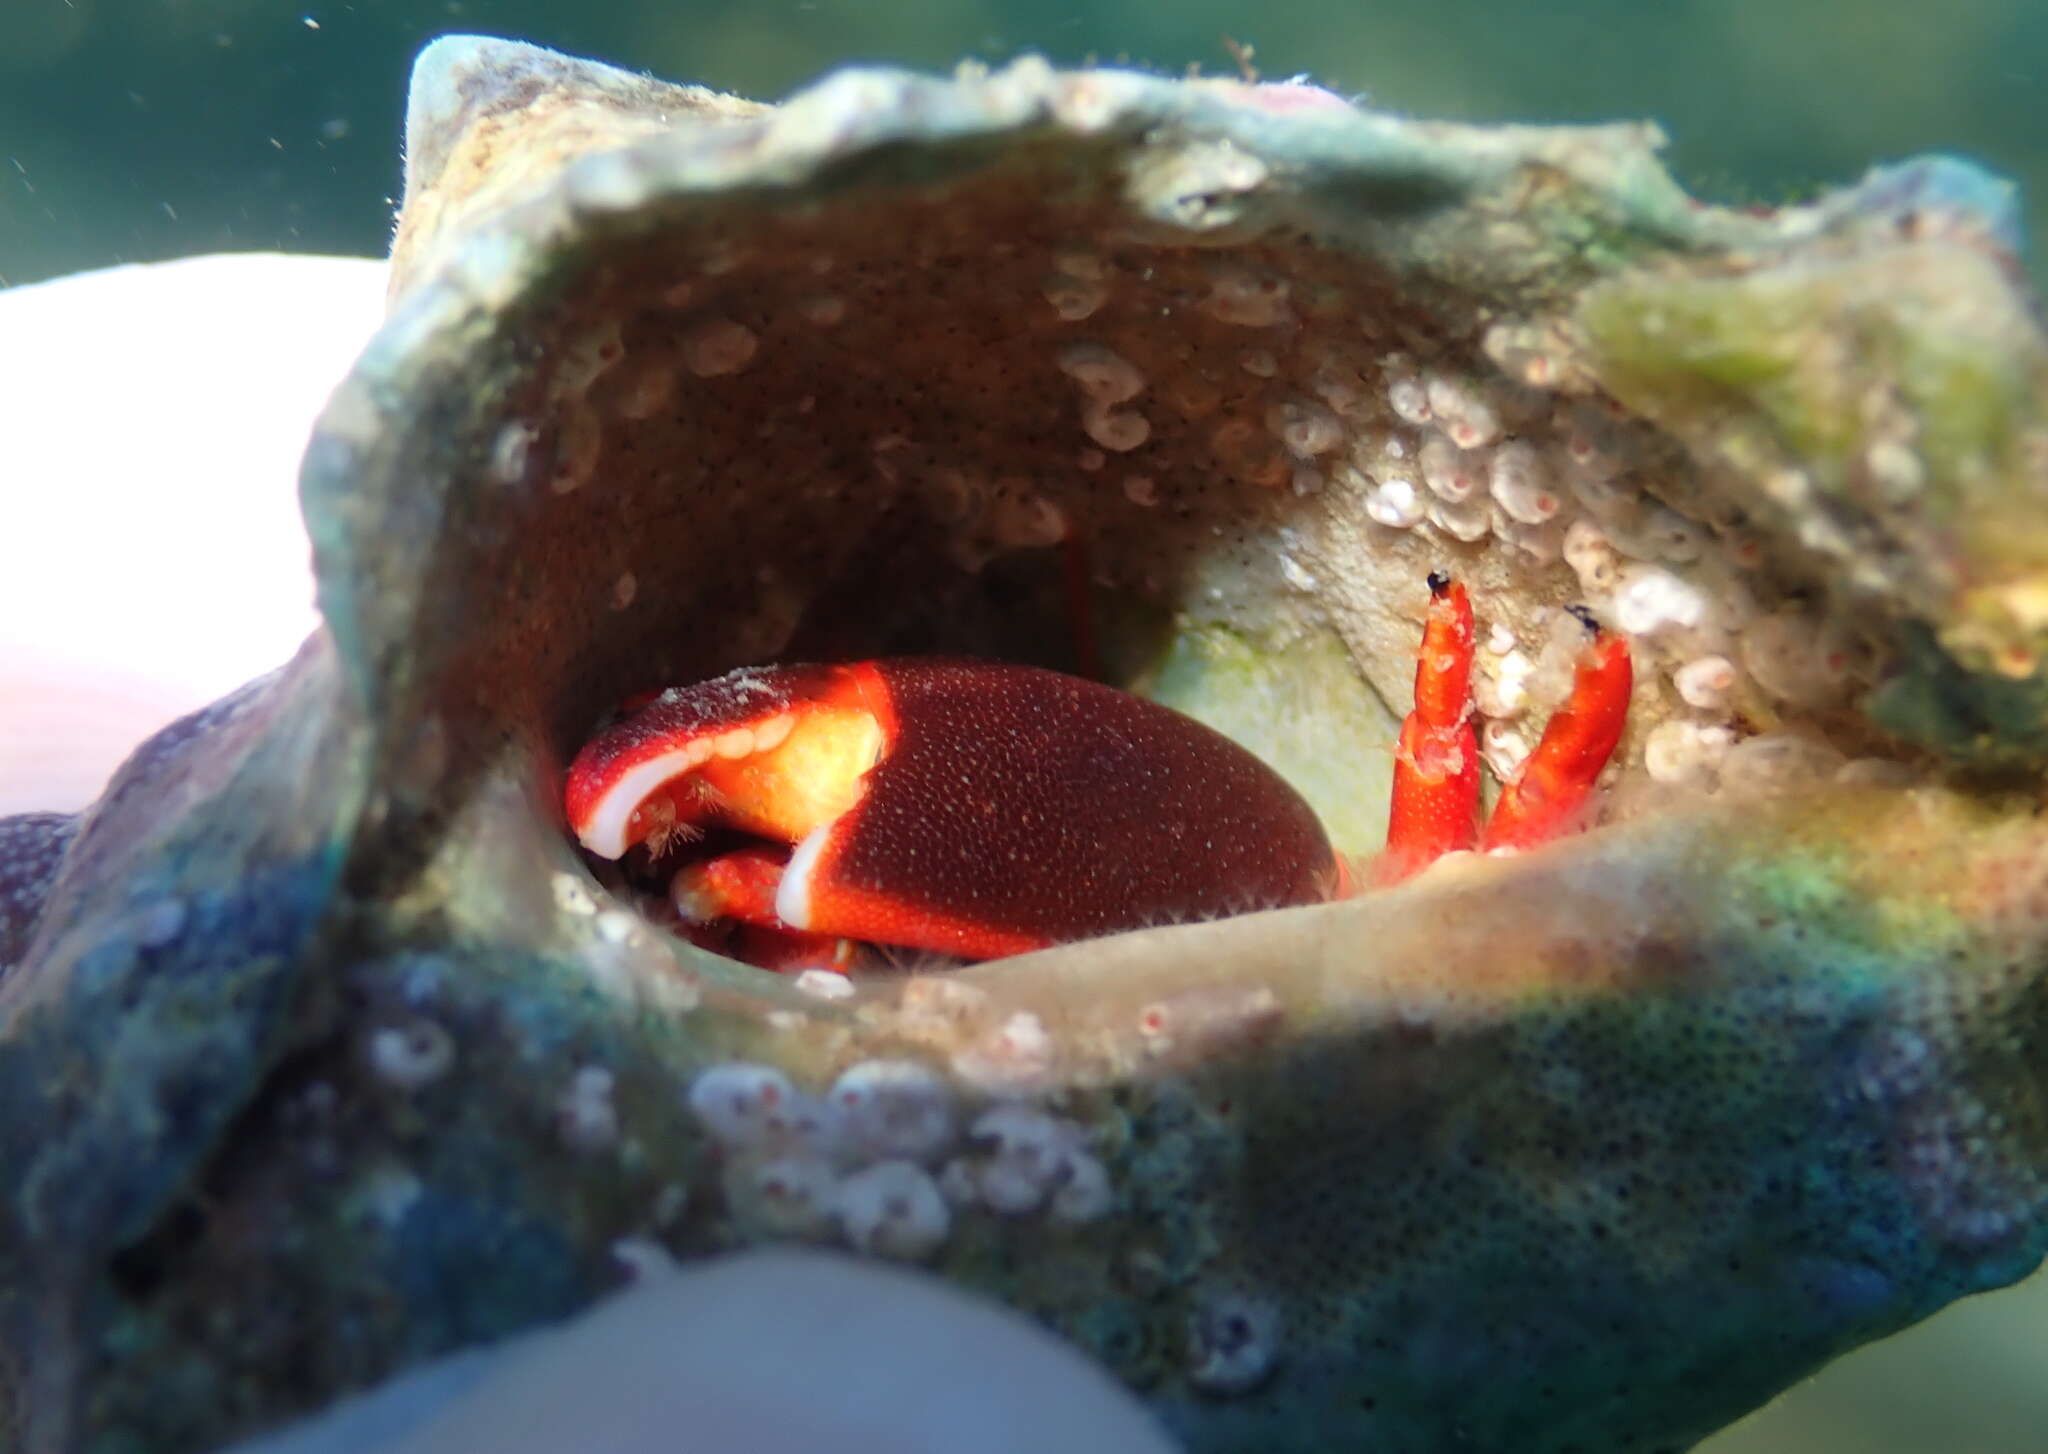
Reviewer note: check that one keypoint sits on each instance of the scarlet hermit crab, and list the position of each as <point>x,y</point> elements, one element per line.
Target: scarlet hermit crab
<point>979,809</point>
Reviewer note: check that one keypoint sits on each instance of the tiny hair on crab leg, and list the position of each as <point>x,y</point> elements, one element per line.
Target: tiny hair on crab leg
<point>769,750</point>
<point>608,829</point>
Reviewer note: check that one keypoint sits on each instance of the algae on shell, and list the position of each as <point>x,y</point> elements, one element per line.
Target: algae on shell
<point>327,1052</point>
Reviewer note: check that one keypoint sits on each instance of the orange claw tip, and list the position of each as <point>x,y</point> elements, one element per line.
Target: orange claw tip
<point>620,788</point>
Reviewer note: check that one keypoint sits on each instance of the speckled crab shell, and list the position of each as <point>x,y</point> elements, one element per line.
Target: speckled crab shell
<point>324,1050</point>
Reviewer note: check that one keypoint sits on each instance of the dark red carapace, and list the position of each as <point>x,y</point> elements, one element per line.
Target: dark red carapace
<point>967,808</point>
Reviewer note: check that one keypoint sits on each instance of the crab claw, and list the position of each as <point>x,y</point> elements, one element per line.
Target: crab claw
<point>972,809</point>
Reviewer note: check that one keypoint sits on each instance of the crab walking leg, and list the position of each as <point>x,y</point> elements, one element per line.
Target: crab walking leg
<point>1551,789</point>
<point>1436,764</point>
<point>739,888</point>
<point>737,885</point>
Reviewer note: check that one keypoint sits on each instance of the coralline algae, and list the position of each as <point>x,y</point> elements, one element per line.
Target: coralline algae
<point>326,1052</point>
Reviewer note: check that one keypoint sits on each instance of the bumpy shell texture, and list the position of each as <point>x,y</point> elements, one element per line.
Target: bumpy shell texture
<point>324,1051</point>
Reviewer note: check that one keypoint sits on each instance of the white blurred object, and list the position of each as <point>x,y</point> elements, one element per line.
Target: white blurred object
<point>151,554</point>
<point>773,1352</point>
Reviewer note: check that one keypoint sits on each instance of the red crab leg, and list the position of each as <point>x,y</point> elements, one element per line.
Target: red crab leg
<point>737,885</point>
<point>1552,787</point>
<point>1436,765</point>
<point>740,886</point>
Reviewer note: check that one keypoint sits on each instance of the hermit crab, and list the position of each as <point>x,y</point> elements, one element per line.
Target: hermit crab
<point>360,1021</point>
<point>979,809</point>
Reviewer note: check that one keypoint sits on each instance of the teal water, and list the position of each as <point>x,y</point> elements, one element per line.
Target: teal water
<point>139,129</point>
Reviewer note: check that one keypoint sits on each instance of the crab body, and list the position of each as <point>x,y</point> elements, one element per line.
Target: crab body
<point>978,809</point>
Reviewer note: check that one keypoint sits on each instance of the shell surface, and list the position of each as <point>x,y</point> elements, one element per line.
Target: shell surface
<point>1597,1147</point>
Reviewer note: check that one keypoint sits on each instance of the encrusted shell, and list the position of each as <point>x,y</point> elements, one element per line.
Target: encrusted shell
<point>320,1016</point>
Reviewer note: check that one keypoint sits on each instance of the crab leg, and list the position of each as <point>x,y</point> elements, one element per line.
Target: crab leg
<point>1436,765</point>
<point>738,889</point>
<point>1554,782</point>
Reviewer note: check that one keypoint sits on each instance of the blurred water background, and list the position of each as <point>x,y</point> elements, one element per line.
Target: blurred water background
<point>132,130</point>
<point>138,129</point>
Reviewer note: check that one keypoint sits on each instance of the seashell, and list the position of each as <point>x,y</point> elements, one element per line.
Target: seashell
<point>1742,1084</point>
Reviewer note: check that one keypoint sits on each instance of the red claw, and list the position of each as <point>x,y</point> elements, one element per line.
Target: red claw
<point>971,809</point>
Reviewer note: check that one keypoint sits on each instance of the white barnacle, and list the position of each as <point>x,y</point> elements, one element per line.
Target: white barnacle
<point>1121,430</point>
<point>1074,298</point>
<point>585,1116</point>
<point>511,449</point>
<point>1409,400</point>
<point>1468,521</point>
<point>821,984</point>
<point>1521,485</point>
<point>1305,427</point>
<point>1671,537</point>
<point>1027,1152</point>
<point>1504,747</point>
<point>1503,690</point>
<point>746,1105</point>
<point>1247,297</point>
<point>1649,599</point>
<point>1461,413</point>
<point>1705,682</point>
<point>1682,753</point>
<point>1085,1195</point>
<point>1543,541</point>
<point>715,346</point>
<point>895,1108</point>
<point>410,1055</point>
<point>1592,557</point>
<point>1017,1053</point>
<point>1396,503</point>
<point>1451,474</point>
<point>1781,651</point>
<point>647,394</point>
<point>1024,518</point>
<point>1233,1342</point>
<point>1260,363</point>
<point>587,358</point>
<point>1100,373</point>
<point>579,442</point>
<point>794,1195</point>
<point>893,1209</point>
